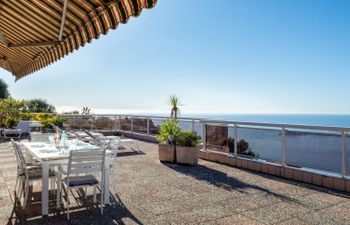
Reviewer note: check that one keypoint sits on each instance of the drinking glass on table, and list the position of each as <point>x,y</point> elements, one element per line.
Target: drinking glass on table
<point>52,140</point>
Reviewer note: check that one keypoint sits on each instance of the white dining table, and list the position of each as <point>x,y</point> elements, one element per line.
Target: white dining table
<point>48,155</point>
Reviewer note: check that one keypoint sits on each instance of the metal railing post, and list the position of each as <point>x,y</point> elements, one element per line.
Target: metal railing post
<point>91,122</point>
<point>343,154</point>
<point>131,123</point>
<point>204,136</point>
<point>283,146</point>
<point>120,123</point>
<point>147,125</point>
<point>235,135</point>
<point>192,126</point>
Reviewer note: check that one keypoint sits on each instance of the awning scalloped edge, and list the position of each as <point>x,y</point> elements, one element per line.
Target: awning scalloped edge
<point>97,23</point>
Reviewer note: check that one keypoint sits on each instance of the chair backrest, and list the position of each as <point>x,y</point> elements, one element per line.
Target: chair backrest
<point>102,143</point>
<point>115,144</point>
<point>38,136</point>
<point>26,125</point>
<point>21,161</point>
<point>86,161</point>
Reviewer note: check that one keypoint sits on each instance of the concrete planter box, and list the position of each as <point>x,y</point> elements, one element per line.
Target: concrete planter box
<point>187,155</point>
<point>166,153</point>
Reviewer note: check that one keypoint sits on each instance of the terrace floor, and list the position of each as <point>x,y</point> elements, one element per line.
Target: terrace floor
<point>149,192</point>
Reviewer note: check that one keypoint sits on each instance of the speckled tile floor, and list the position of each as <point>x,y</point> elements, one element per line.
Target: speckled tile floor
<point>149,192</point>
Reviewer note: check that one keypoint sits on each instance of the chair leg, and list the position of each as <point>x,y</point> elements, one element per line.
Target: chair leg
<point>85,192</point>
<point>95,187</point>
<point>111,176</point>
<point>16,183</point>
<point>20,188</point>
<point>58,194</point>
<point>68,203</point>
<point>58,190</point>
<point>26,190</point>
<point>101,199</point>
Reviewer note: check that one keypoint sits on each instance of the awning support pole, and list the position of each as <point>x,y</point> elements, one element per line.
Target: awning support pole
<point>63,19</point>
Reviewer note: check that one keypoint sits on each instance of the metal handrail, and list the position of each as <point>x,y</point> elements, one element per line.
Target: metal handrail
<point>343,132</point>
<point>222,122</point>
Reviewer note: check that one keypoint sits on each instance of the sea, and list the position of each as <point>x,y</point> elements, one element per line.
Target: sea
<point>308,149</point>
<point>300,119</point>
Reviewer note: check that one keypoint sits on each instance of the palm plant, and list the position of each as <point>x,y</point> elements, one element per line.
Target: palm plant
<point>174,102</point>
<point>169,131</point>
<point>86,111</point>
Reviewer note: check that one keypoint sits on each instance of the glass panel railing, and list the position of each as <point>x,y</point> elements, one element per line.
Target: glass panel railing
<point>198,128</point>
<point>125,123</point>
<point>309,148</point>
<point>348,154</point>
<point>77,123</point>
<point>115,123</point>
<point>314,149</point>
<point>102,123</point>
<point>154,125</point>
<point>216,138</point>
<point>140,125</point>
<point>262,143</point>
<point>185,124</point>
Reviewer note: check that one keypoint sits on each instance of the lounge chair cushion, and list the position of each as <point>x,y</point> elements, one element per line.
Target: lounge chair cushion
<point>82,180</point>
<point>12,131</point>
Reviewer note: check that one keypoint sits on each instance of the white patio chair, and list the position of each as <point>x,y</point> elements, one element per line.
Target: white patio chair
<point>104,139</point>
<point>27,173</point>
<point>112,145</point>
<point>82,136</point>
<point>82,162</point>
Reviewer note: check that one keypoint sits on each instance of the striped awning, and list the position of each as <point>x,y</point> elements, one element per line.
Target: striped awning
<point>36,33</point>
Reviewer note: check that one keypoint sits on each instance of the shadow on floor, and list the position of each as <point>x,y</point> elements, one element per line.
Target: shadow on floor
<point>222,180</point>
<point>85,212</point>
<point>123,151</point>
<point>122,154</point>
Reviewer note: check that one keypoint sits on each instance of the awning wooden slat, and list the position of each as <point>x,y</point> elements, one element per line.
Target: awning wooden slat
<point>30,29</point>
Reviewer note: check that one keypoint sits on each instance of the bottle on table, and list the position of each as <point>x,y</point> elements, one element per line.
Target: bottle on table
<point>57,138</point>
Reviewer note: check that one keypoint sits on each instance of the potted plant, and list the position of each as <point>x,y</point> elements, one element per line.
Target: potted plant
<point>167,138</point>
<point>187,148</point>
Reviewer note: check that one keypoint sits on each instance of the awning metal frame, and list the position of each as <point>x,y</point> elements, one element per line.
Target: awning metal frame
<point>3,39</point>
<point>63,19</point>
<point>31,45</point>
<point>31,42</point>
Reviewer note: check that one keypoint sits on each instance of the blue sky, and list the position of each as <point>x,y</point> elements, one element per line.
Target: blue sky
<point>225,56</point>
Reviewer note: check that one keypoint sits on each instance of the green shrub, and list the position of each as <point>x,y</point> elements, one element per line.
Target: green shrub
<point>39,106</point>
<point>169,131</point>
<point>188,139</point>
<point>48,119</point>
<point>12,111</point>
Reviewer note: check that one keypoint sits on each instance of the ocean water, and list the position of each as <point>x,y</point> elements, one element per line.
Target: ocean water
<point>302,119</point>
<point>304,148</point>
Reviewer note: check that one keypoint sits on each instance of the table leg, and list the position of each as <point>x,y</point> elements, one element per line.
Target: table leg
<point>45,189</point>
<point>106,183</point>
